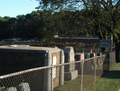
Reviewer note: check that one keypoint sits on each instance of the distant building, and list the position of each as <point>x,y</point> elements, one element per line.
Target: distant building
<point>80,39</point>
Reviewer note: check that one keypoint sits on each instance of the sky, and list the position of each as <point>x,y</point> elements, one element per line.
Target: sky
<point>13,8</point>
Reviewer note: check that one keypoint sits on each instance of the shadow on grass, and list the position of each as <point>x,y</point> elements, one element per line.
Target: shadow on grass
<point>112,75</point>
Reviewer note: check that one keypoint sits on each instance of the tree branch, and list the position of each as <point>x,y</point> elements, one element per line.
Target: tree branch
<point>85,4</point>
<point>117,4</point>
<point>104,4</point>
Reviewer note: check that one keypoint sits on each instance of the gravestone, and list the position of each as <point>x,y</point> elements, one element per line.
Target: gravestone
<point>87,56</point>
<point>70,72</point>
<point>69,57</point>
<point>78,57</point>
<point>92,61</point>
<point>99,60</point>
<point>87,66</point>
<point>92,55</point>
<point>23,86</point>
<point>11,89</point>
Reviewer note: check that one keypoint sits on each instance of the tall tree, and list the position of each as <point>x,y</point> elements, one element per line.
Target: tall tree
<point>105,17</point>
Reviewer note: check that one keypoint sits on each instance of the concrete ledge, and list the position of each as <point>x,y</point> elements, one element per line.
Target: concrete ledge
<point>71,75</point>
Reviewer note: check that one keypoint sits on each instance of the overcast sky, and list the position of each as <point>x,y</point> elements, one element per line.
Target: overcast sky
<point>13,8</point>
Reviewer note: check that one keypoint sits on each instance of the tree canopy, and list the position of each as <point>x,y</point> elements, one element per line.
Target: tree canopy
<point>102,14</point>
<point>43,25</point>
<point>100,17</point>
<point>65,18</point>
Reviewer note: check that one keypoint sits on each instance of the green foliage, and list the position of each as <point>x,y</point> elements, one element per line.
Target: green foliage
<point>96,16</point>
<point>92,19</point>
<point>43,25</point>
<point>87,17</point>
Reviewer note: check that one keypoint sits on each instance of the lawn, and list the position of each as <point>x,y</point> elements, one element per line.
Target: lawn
<point>110,82</point>
<point>73,85</point>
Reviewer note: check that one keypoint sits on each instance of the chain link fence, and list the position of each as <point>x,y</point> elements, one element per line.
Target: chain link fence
<point>110,61</point>
<point>28,80</point>
<point>89,70</point>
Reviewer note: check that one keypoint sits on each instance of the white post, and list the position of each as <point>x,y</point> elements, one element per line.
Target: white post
<point>95,65</point>
<point>47,73</point>
<point>62,68</point>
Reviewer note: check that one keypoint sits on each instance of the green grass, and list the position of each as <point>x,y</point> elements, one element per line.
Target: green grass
<point>110,82</point>
<point>2,88</point>
<point>73,85</point>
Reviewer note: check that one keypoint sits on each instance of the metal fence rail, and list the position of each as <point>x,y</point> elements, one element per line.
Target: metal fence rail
<point>33,79</point>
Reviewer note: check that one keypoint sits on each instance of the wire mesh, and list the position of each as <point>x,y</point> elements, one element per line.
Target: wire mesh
<point>99,67</point>
<point>112,61</point>
<point>109,61</point>
<point>93,69</point>
<point>88,73</point>
<point>35,80</point>
<point>71,80</point>
<point>106,64</point>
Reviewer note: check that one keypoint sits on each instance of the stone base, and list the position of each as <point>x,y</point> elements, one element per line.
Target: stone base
<point>71,75</point>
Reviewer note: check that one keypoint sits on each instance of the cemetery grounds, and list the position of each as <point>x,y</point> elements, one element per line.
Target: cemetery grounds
<point>109,82</point>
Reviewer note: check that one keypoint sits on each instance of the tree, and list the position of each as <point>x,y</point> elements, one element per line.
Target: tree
<point>104,17</point>
<point>4,28</point>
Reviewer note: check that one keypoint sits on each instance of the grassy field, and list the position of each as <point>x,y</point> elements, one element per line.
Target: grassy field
<point>110,82</point>
<point>74,85</point>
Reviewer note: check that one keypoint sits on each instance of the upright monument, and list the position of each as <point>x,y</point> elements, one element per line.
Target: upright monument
<point>70,72</point>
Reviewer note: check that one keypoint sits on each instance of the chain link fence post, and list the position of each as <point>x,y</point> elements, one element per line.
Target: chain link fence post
<point>81,83</point>
<point>52,77</point>
<point>95,66</point>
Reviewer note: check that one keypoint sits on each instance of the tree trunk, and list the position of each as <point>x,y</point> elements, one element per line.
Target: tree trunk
<point>117,44</point>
